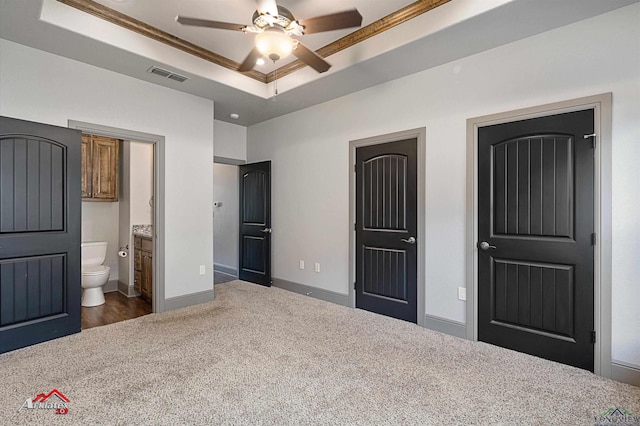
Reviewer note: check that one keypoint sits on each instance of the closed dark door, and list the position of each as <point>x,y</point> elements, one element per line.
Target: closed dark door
<point>39,233</point>
<point>386,229</point>
<point>255,223</point>
<point>535,218</point>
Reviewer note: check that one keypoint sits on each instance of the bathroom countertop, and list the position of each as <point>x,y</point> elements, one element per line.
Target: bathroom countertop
<point>145,231</point>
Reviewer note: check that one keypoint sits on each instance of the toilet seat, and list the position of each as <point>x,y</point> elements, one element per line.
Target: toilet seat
<point>95,270</point>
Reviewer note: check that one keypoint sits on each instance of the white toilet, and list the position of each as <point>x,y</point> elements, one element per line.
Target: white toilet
<point>94,273</point>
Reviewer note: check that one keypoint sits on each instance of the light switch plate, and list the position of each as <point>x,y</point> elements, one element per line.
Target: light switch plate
<point>462,293</point>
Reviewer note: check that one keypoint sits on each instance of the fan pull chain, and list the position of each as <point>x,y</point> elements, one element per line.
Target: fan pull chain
<point>275,85</point>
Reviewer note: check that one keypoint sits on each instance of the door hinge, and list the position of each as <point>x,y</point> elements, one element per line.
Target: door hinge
<point>593,337</point>
<point>593,239</point>
<point>355,227</point>
<point>355,168</point>
<point>593,137</point>
<point>354,285</point>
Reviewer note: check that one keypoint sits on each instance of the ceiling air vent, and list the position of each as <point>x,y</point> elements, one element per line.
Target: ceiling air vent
<point>178,77</point>
<point>168,74</point>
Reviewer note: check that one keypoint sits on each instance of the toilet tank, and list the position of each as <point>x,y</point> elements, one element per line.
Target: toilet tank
<point>93,253</point>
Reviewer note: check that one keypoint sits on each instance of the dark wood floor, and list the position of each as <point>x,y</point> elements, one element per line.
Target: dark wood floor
<point>117,307</point>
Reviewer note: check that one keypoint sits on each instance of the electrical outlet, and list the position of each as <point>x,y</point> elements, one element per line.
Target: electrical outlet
<point>301,266</point>
<point>202,270</point>
<point>317,267</point>
<point>462,293</point>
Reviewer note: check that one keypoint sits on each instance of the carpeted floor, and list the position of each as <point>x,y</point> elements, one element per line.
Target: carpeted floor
<point>267,356</point>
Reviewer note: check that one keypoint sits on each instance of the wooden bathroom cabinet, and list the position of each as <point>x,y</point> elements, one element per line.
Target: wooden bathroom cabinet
<point>99,168</point>
<point>143,266</point>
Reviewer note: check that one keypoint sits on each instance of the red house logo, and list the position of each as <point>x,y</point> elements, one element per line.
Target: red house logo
<point>42,397</point>
<point>54,400</point>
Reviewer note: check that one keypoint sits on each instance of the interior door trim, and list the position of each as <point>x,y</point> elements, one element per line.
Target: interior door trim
<point>420,135</point>
<point>601,104</point>
<point>158,141</point>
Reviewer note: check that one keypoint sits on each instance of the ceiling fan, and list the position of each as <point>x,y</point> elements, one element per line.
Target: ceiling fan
<point>274,27</point>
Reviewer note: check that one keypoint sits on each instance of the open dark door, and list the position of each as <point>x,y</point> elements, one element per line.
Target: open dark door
<point>39,233</point>
<point>255,223</point>
<point>386,229</point>
<point>535,230</point>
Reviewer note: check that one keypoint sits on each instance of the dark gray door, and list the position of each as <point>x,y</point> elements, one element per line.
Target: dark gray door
<point>386,229</point>
<point>255,223</point>
<point>39,233</point>
<point>535,218</point>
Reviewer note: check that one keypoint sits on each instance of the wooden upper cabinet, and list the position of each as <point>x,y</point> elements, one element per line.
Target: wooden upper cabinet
<point>99,168</point>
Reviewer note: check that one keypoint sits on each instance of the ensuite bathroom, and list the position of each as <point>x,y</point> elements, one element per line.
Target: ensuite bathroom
<point>117,229</point>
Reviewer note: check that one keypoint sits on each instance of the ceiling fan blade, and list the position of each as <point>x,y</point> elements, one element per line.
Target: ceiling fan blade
<point>209,24</point>
<point>250,60</point>
<point>267,7</point>
<point>334,21</point>
<point>311,58</point>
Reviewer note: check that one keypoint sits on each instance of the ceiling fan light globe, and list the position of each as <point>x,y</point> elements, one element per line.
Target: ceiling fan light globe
<point>274,44</point>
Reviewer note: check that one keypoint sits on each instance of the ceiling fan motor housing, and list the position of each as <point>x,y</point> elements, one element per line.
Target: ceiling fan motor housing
<point>284,20</point>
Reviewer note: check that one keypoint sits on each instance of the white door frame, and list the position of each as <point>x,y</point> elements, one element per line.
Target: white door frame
<point>420,135</point>
<point>157,299</point>
<point>602,214</point>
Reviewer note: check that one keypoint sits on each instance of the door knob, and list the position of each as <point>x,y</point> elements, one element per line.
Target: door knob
<point>266,230</point>
<point>410,240</point>
<point>485,246</point>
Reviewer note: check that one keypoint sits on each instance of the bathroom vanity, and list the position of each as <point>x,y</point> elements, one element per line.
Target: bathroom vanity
<point>143,262</point>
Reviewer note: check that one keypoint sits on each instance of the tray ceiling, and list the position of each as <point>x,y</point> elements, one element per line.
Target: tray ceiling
<point>450,30</point>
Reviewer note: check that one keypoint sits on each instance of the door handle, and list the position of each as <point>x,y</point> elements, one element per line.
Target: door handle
<point>410,240</point>
<point>266,230</point>
<point>485,246</point>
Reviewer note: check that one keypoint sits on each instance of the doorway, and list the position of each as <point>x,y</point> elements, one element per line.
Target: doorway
<point>537,240</point>
<point>124,221</point>
<point>535,227</point>
<point>387,184</point>
<point>225,220</point>
<point>254,254</point>
<point>155,245</point>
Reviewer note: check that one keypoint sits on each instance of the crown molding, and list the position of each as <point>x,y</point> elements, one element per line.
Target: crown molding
<point>381,25</point>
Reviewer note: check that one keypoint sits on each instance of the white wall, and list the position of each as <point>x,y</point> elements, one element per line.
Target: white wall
<point>125,267</point>
<point>85,93</point>
<point>225,217</point>
<point>231,140</point>
<point>141,182</point>
<point>100,222</point>
<point>311,171</point>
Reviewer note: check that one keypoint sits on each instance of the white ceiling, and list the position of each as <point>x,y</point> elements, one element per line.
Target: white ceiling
<point>450,32</point>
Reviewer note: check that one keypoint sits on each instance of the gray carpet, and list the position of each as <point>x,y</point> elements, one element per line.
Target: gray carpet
<point>267,356</point>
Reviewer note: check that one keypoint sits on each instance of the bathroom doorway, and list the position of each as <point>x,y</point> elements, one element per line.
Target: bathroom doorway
<point>129,224</point>
<point>225,219</point>
<point>124,220</point>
